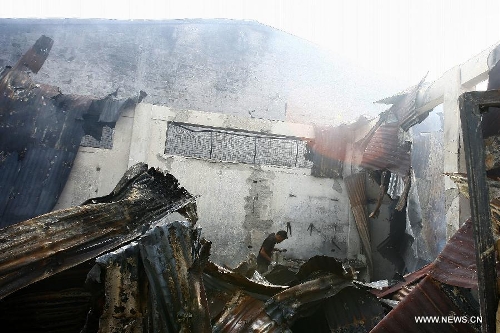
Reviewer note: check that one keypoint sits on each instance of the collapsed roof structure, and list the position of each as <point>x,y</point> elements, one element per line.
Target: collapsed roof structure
<point>125,268</point>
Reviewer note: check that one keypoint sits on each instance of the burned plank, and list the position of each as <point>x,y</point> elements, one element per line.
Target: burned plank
<point>43,246</point>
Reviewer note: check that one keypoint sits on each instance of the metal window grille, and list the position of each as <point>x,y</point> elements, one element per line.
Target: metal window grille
<point>106,141</point>
<point>228,145</point>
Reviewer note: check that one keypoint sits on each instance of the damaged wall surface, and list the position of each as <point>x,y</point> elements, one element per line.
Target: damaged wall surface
<point>239,204</point>
<point>227,66</point>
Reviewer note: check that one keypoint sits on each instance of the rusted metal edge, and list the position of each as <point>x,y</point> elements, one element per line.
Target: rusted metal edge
<point>43,246</point>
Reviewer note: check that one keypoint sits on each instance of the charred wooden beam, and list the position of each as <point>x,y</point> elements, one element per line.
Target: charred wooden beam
<point>40,247</point>
<point>472,105</point>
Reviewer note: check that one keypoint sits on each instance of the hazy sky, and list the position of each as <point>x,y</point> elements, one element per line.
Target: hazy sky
<point>400,40</point>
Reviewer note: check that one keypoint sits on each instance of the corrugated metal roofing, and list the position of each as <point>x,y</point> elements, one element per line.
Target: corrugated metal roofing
<point>246,314</point>
<point>40,133</point>
<point>327,151</point>
<point>455,265</point>
<point>405,108</point>
<point>385,152</point>
<point>431,289</point>
<point>428,298</point>
<point>43,246</point>
<point>355,185</point>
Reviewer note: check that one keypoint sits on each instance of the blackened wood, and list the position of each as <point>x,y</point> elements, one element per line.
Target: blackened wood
<point>471,106</point>
<point>40,247</point>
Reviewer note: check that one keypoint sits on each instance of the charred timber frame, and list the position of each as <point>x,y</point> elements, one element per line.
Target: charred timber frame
<point>472,105</point>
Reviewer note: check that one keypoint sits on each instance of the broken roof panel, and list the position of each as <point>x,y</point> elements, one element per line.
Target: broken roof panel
<point>355,185</point>
<point>436,289</point>
<point>245,314</point>
<point>384,151</point>
<point>405,109</point>
<point>327,151</point>
<point>435,300</point>
<point>40,133</point>
<point>35,249</point>
<point>456,264</point>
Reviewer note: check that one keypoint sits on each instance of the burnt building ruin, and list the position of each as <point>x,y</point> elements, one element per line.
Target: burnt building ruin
<point>142,209</point>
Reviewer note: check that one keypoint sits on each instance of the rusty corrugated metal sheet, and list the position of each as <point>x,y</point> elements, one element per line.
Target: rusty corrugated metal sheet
<point>409,279</point>
<point>245,314</point>
<point>304,299</point>
<point>35,57</point>
<point>327,151</point>
<point>405,108</point>
<point>154,284</point>
<point>326,295</point>
<point>438,289</point>
<point>240,281</point>
<point>173,260</point>
<point>119,287</point>
<point>456,264</point>
<point>43,246</point>
<point>429,298</point>
<point>384,151</point>
<point>355,185</point>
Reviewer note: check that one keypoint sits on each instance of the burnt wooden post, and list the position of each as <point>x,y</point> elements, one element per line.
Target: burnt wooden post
<point>472,105</point>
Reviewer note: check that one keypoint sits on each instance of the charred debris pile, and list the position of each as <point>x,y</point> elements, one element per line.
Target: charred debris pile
<point>113,264</point>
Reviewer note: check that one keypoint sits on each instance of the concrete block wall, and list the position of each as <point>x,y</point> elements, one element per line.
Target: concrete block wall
<point>238,204</point>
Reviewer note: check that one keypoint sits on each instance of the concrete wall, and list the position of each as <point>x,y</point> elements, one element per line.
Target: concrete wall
<point>229,66</point>
<point>238,204</point>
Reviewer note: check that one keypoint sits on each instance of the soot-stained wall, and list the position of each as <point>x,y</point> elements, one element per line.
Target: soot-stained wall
<point>238,204</point>
<point>234,67</point>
